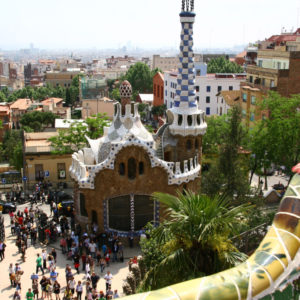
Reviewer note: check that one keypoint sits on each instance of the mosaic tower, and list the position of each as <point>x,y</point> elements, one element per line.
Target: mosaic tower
<point>185,116</point>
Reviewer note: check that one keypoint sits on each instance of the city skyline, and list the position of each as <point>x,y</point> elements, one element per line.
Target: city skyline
<point>139,23</point>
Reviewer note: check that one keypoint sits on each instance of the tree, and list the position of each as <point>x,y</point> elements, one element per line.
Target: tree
<point>2,97</point>
<point>228,174</point>
<point>140,77</point>
<point>73,139</point>
<point>193,240</point>
<point>17,156</point>
<point>282,129</point>
<point>115,94</point>
<point>12,148</point>
<point>159,110</point>
<point>38,120</point>
<point>223,65</point>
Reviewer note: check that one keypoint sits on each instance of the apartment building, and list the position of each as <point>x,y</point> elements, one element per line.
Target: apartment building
<point>207,87</point>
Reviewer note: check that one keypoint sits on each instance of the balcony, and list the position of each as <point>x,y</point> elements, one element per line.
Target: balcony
<point>265,72</point>
<point>264,89</point>
<point>38,149</point>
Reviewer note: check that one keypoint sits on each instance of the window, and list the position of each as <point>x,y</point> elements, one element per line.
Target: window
<point>221,111</point>
<point>188,145</point>
<point>278,65</point>
<point>252,116</point>
<point>162,92</point>
<point>208,89</point>
<point>158,91</point>
<point>94,217</point>
<point>61,171</point>
<point>197,88</point>
<point>179,120</point>
<point>263,81</point>
<point>39,172</point>
<point>122,169</point>
<point>260,63</point>
<point>190,120</point>
<point>207,99</point>
<point>166,93</point>
<point>284,65</point>
<point>230,88</point>
<point>253,99</point>
<point>83,211</point>
<point>131,168</point>
<point>251,79</point>
<point>197,98</point>
<point>244,97</point>
<point>154,89</point>
<point>196,144</point>
<point>198,72</point>
<point>243,112</point>
<point>219,88</point>
<point>166,83</point>
<point>272,84</point>
<point>141,168</point>
<point>207,111</point>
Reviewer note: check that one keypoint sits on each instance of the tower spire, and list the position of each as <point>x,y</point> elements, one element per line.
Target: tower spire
<point>185,116</point>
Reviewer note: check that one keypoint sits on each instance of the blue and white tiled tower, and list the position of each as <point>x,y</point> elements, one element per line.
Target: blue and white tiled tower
<point>185,118</point>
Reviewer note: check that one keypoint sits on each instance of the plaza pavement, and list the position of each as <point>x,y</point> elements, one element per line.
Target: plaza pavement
<point>118,270</point>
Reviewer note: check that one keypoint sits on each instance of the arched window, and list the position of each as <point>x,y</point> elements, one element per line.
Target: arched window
<point>179,120</point>
<point>131,168</point>
<point>141,168</point>
<point>188,145</point>
<point>190,120</point>
<point>122,169</point>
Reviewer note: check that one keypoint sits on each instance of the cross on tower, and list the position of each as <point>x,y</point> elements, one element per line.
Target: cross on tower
<point>187,5</point>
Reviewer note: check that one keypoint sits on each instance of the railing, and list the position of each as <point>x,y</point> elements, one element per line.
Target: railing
<point>38,149</point>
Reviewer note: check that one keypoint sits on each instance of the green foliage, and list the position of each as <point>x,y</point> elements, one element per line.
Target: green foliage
<point>229,172</point>
<point>37,120</point>
<point>223,65</point>
<point>73,139</point>
<point>115,94</point>
<point>193,241</point>
<point>12,149</point>
<point>2,97</point>
<point>280,132</point>
<point>159,110</point>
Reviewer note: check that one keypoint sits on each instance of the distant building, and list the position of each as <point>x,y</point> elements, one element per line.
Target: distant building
<point>169,63</point>
<point>18,109</point>
<point>63,79</point>
<point>92,107</point>
<point>145,98</point>
<point>206,88</point>
<point>158,89</point>
<point>41,164</point>
<point>55,105</point>
<point>5,117</point>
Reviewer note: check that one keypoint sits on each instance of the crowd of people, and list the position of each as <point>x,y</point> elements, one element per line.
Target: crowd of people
<point>87,252</point>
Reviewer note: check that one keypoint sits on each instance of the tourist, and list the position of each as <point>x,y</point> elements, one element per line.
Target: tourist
<point>68,294</point>
<point>83,259</point>
<point>76,259</point>
<point>63,245</point>
<point>2,250</point>
<point>79,289</point>
<point>102,296</point>
<point>44,256</point>
<point>49,289</point>
<point>53,275</point>
<point>116,295</point>
<point>10,271</point>
<point>56,290</point>
<point>35,288</point>
<point>102,264</point>
<point>94,295</point>
<point>16,296</point>
<point>43,283</point>
<point>29,295</point>
<point>94,278</point>
<point>54,254</point>
<point>71,285</point>
<point>108,278</point>
<point>92,248</point>
<point>39,264</point>
<point>88,288</point>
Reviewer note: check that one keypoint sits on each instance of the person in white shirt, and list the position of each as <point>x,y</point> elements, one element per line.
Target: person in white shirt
<point>71,284</point>
<point>44,257</point>
<point>79,289</point>
<point>93,247</point>
<point>108,277</point>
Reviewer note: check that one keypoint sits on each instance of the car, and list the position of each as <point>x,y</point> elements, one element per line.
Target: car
<point>6,207</point>
<point>66,208</point>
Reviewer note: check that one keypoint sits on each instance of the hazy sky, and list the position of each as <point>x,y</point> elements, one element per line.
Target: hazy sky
<point>142,23</point>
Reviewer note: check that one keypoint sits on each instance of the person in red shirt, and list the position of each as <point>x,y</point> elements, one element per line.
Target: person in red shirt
<point>20,220</point>
<point>26,211</point>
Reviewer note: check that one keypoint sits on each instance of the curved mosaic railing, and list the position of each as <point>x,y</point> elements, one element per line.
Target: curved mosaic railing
<point>272,264</point>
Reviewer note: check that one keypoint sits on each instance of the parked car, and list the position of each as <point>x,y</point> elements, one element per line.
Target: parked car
<point>6,207</point>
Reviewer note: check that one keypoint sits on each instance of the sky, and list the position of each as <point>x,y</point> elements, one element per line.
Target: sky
<point>149,24</point>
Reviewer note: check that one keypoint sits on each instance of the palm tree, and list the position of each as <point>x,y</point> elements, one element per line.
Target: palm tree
<point>194,238</point>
